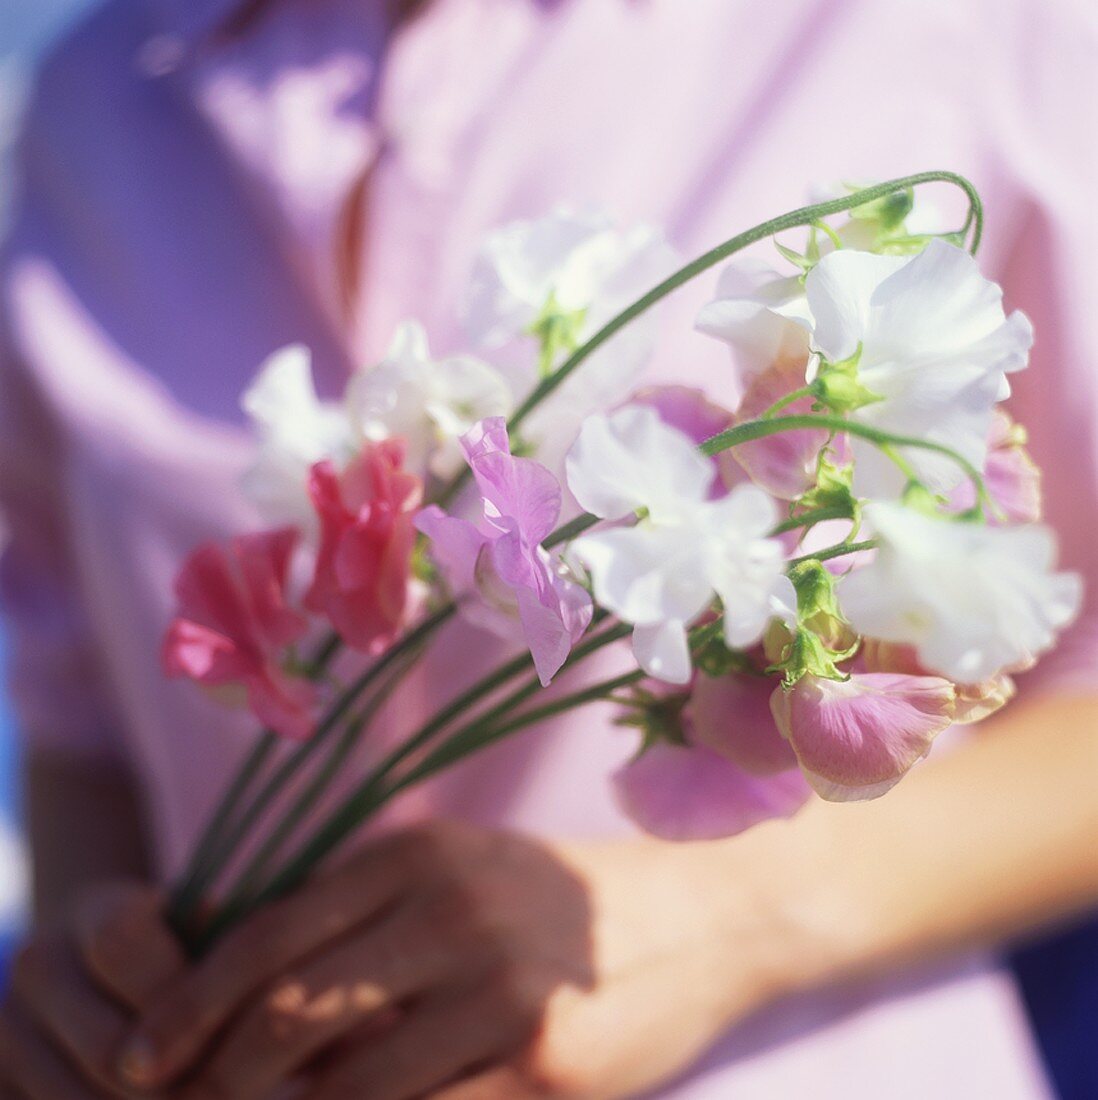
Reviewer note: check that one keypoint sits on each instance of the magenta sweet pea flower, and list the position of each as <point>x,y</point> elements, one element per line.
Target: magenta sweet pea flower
<point>716,764</point>
<point>367,533</point>
<point>496,565</point>
<point>856,739</point>
<point>687,792</point>
<point>234,626</point>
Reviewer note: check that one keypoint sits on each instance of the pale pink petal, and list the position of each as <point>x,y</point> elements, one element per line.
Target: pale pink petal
<point>856,739</point>
<point>1012,478</point>
<point>731,715</point>
<point>680,793</point>
<point>974,702</point>
<point>783,464</point>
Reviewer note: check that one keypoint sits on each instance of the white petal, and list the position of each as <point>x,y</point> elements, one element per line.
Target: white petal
<point>663,651</point>
<point>839,290</point>
<point>646,574</point>
<point>632,460</point>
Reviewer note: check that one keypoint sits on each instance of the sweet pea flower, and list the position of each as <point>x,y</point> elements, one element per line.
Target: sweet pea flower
<point>235,624</point>
<point>785,465</point>
<point>1012,478</point>
<point>761,314</point>
<point>429,403</point>
<point>692,412</point>
<point>295,430</point>
<point>496,565</point>
<point>714,763</point>
<point>973,702</point>
<point>367,533</point>
<point>688,792</point>
<point>662,573</point>
<point>971,599</point>
<point>855,739</point>
<point>541,288</point>
<point>932,346</point>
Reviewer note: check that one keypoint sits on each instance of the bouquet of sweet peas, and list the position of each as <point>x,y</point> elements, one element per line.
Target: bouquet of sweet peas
<point>815,583</point>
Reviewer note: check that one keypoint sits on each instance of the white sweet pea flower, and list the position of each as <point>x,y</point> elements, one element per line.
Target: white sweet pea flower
<point>430,403</point>
<point>935,348</point>
<point>973,600</point>
<point>662,573</point>
<point>760,313</point>
<point>295,429</point>
<point>540,288</point>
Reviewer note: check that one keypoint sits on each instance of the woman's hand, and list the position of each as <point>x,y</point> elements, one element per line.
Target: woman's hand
<point>74,994</point>
<point>464,964</point>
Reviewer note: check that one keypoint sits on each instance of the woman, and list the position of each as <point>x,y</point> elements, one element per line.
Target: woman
<point>207,181</point>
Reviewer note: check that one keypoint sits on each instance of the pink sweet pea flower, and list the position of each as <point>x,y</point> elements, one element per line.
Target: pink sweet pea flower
<point>974,702</point>
<point>685,792</point>
<point>856,739</point>
<point>784,464</point>
<point>1012,478</point>
<point>367,533</point>
<point>496,565</point>
<point>234,624</point>
<point>724,768</point>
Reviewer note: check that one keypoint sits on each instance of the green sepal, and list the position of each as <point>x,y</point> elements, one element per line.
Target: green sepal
<point>807,655</point>
<point>888,212</point>
<point>558,332</point>
<point>423,567</point>
<point>833,490</point>
<point>658,717</point>
<point>838,387</point>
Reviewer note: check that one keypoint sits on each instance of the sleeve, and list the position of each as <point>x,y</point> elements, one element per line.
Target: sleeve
<point>1046,120</point>
<point>57,687</point>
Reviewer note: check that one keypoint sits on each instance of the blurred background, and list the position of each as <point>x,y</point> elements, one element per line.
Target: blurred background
<point>1059,976</point>
<point>27,27</point>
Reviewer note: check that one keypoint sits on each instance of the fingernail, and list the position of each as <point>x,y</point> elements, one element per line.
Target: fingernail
<point>137,1062</point>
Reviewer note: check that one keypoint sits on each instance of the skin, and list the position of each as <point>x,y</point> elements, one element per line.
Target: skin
<point>457,963</point>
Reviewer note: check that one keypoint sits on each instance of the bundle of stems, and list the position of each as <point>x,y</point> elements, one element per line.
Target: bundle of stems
<point>499,704</point>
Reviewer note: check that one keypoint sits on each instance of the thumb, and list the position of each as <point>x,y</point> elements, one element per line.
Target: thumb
<point>126,944</point>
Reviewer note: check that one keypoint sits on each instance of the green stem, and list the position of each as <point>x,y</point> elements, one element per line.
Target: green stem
<point>789,399</point>
<point>810,519</point>
<point>804,216</point>
<point>479,734</point>
<point>839,551</point>
<point>759,429</point>
<point>254,871</point>
<point>374,792</point>
<point>187,893</point>
<point>234,837</point>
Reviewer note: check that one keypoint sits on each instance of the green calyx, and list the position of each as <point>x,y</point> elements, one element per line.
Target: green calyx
<point>837,386</point>
<point>558,333</point>
<point>818,618</point>
<point>889,211</point>
<point>658,717</point>
<point>833,490</point>
<point>806,654</point>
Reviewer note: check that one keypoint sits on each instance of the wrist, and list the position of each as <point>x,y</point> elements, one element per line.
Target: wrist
<point>811,918</point>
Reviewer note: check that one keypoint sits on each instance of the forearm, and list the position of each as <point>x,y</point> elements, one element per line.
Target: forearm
<point>84,825</point>
<point>980,846</point>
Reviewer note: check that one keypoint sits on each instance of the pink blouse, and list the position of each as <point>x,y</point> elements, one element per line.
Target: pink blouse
<point>188,172</point>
